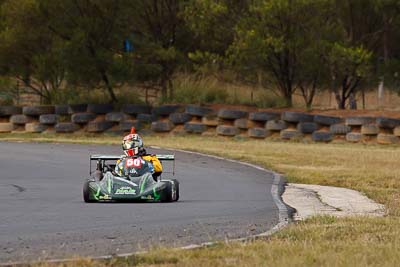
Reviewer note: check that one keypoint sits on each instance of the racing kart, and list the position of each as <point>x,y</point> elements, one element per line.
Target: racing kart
<point>135,185</point>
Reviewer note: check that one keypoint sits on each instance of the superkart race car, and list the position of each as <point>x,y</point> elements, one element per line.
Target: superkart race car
<point>135,185</point>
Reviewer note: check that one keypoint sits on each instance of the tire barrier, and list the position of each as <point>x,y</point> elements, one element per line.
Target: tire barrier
<point>264,116</point>
<point>162,126</point>
<point>322,136</point>
<point>290,116</point>
<point>258,133</point>
<point>198,119</point>
<point>82,118</point>
<point>231,114</point>
<point>77,108</point>
<point>226,130</point>
<point>37,110</point>
<point>136,109</point>
<point>126,126</point>
<point>198,111</point>
<point>327,120</point>
<point>179,118</point>
<point>339,129</point>
<point>116,117</point>
<point>289,134</point>
<point>353,137</point>
<point>359,121</point>
<point>10,110</point>
<point>276,125</point>
<point>195,127</point>
<point>369,129</point>
<point>66,127</point>
<point>388,123</point>
<point>35,127</point>
<point>100,108</point>
<point>307,127</point>
<point>99,126</point>
<point>48,119</point>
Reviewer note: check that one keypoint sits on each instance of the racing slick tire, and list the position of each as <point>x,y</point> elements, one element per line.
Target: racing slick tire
<point>171,191</point>
<point>327,120</point>
<point>291,116</point>
<point>86,192</point>
<point>264,116</point>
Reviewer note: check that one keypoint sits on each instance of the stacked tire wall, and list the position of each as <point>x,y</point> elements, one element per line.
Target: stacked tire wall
<point>197,120</point>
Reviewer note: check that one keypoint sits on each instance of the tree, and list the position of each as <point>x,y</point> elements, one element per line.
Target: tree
<point>32,57</point>
<point>282,38</point>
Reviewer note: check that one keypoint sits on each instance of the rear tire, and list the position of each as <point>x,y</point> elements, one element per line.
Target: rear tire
<point>171,191</point>
<point>86,192</point>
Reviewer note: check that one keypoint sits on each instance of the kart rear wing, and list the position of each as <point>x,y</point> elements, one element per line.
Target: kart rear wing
<point>101,159</point>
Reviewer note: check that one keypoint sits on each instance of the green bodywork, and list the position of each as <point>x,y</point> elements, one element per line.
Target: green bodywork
<point>142,188</point>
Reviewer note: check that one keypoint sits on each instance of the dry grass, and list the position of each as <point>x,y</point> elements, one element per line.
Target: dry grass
<point>320,241</point>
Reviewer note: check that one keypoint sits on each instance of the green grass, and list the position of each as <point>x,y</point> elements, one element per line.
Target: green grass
<point>320,241</point>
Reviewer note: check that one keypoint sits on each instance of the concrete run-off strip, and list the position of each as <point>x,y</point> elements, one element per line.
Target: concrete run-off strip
<point>312,200</point>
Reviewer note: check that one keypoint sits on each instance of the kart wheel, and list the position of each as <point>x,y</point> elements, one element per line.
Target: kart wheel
<point>86,192</point>
<point>171,191</point>
<point>176,182</point>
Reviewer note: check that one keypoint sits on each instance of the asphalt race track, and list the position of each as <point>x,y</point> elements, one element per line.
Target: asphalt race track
<point>43,216</point>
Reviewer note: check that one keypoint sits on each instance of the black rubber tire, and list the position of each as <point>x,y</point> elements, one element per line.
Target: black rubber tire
<point>10,110</point>
<point>231,114</point>
<point>322,136</point>
<point>6,127</point>
<point>264,116</point>
<point>35,127</point>
<point>327,120</point>
<point>100,108</point>
<point>210,120</point>
<point>166,110</point>
<point>359,121</point>
<point>180,118</point>
<point>276,125</point>
<point>61,109</point>
<point>307,127</point>
<point>48,119</point>
<point>82,118</point>
<point>387,123</point>
<point>66,127</point>
<point>86,192</point>
<point>162,126</point>
<point>99,126</point>
<point>339,129</point>
<point>147,118</point>
<point>258,133</point>
<point>289,134</point>
<point>369,129</point>
<point>116,117</point>
<point>227,130</point>
<point>195,127</point>
<point>37,110</point>
<point>126,126</point>
<point>198,111</point>
<point>290,116</point>
<point>353,137</point>
<point>77,108</point>
<point>387,139</point>
<point>20,119</point>
<point>242,124</point>
<point>132,109</point>
<point>177,188</point>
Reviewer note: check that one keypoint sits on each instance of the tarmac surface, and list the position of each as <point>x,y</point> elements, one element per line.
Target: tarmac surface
<point>43,216</point>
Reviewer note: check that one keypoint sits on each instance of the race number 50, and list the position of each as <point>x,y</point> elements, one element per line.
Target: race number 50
<point>137,163</point>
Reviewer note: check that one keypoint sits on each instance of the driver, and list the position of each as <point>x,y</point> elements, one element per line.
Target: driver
<point>132,146</point>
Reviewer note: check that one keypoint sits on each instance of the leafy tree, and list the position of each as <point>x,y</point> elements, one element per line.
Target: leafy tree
<point>31,57</point>
<point>282,38</point>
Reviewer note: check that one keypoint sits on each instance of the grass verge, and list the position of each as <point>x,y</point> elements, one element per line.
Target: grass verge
<point>320,241</point>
